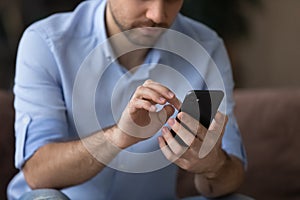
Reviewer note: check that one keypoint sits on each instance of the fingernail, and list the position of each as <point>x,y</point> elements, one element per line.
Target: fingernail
<point>179,116</point>
<point>152,108</point>
<point>161,99</point>
<point>171,121</point>
<point>170,94</point>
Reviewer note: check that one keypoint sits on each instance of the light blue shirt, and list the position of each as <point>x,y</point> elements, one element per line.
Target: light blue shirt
<point>67,79</point>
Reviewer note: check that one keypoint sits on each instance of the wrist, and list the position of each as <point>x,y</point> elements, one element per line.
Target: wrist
<point>101,147</point>
<point>120,139</point>
<point>217,168</point>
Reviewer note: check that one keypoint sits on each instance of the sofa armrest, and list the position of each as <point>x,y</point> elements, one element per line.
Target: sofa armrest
<point>269,121</point>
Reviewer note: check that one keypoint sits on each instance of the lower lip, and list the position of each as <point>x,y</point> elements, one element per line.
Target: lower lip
<point>151,31</point>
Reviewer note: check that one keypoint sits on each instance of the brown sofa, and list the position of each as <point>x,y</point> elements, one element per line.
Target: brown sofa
<point>7,144</point>
<point>270,124</point>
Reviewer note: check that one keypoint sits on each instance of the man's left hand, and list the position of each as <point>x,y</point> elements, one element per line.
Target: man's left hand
<point>202,153</point>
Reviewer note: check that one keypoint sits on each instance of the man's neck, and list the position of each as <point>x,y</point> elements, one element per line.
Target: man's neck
<point>131,60</point>
<point>129,55</point>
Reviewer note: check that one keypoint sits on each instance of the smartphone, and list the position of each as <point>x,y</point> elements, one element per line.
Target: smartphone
<point>202,105</point>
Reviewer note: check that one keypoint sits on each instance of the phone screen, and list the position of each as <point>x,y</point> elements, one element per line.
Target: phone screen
<point>201,105</point>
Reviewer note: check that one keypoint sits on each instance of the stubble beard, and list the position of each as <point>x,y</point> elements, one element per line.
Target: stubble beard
<point>141,33</point>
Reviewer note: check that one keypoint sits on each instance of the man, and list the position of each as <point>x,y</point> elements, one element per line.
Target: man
<point>130,153</point>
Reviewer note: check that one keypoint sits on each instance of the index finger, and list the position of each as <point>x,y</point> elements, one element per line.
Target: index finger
<point>165,92</point>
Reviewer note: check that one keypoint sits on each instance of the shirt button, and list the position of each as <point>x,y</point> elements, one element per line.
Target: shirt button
<point>26,119</point>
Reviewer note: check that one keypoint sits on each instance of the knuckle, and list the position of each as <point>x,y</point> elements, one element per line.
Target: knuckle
<point>188,165</point>
<point>178,151</point>
<point>147,82</point>
<point>140,87</point>
<point>131,104</point>
<point>200,132</point>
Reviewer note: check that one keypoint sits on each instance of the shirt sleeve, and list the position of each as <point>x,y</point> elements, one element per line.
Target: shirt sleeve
<point>39,104</point>
<point>232,141</point>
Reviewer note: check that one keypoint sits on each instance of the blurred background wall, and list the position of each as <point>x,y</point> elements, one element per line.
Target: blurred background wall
<point>270,56</point>
<point>262,36</point>
<point>15,16</point>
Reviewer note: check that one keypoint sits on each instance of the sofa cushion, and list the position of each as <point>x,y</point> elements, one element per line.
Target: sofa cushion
<point>269,121</point>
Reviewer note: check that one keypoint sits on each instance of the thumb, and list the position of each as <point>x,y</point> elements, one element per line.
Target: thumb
<point>165,113</point>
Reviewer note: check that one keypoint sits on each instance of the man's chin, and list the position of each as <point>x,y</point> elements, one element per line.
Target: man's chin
<point>147,36</point>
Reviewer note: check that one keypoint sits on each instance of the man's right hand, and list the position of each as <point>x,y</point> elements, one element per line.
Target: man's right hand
<point>140,119</point>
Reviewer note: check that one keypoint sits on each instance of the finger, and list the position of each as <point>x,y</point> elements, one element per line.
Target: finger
<point>217,127</point>
<point>165,113</point>
<point>137,104</point>
<point>166,150</point>
<point>165,92</point>
<point>214,135</point>
<point>181,162</point>
<point>193,125</point>
<point>175,102</point>
<point>219,122</point>
<point>186,136</point>
<point>209,143</point>
<point>174,146</point>
<point>149,94</point>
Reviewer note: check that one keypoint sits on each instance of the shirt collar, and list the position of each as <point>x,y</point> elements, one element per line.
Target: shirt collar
<point>153,56</point>
<point>101,30</point>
